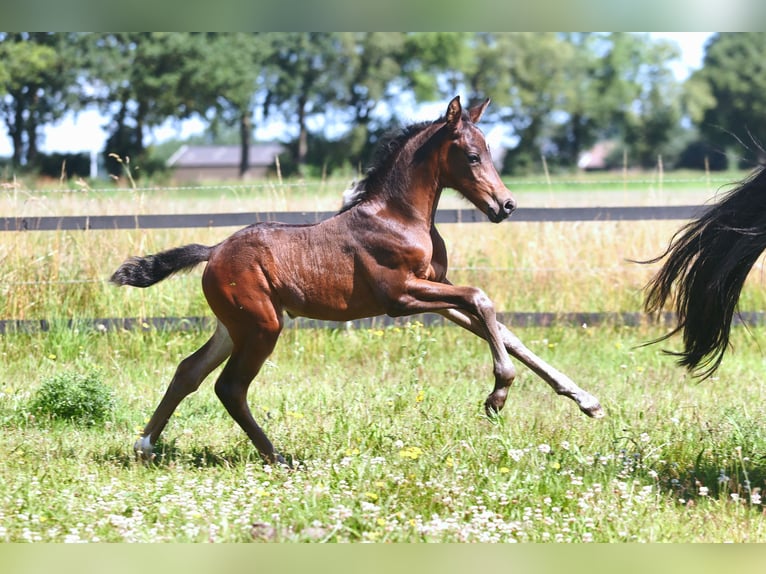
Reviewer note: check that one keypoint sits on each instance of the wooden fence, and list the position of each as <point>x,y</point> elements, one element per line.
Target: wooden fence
<point>187,220</point>
<point>550,214</point>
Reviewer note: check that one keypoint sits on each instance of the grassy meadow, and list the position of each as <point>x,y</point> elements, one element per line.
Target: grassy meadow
<point>385,427</point>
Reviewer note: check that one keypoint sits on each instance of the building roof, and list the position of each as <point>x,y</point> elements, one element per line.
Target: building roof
<point>223,155</point>
<point>597,156</point>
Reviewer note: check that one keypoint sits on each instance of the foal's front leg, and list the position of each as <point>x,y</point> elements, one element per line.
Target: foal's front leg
<point>560,383</point>
<point>423,296</point>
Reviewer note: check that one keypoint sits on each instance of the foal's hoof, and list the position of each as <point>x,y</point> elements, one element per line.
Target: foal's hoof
<point>593,409</point>
<point>495,402</point>
<point>278,460</point>
<point>144,450</point>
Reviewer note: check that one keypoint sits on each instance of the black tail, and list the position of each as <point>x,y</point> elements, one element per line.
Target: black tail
<point>146,271</point>
<point>707,263</point>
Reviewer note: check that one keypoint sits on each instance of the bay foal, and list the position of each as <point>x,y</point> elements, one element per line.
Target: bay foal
<point>381,254</point>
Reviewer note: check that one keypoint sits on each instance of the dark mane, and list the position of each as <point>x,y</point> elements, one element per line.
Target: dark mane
<point>387,149</point>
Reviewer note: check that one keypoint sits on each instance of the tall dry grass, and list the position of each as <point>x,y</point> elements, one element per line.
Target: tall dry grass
<point>556,267</point>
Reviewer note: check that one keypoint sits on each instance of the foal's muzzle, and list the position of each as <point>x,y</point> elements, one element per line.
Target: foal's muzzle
<point>503,211</point>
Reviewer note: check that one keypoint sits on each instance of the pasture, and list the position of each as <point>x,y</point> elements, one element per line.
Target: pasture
<point>385,426</point>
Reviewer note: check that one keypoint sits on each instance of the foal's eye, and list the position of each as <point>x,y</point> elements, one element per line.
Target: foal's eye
<point>473,158</point>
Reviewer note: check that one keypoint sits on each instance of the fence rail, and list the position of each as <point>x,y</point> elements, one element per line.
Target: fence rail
<point>515,319</point>
<point>512,319</point>
<point>190,220</point>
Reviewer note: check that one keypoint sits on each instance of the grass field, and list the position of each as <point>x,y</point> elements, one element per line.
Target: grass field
<point>387,432</point>
<point>384,426</point>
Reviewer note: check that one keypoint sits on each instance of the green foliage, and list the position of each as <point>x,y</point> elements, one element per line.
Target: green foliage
<point>80,398</point>
<point>309,71</point>
<point>733,78</point>
<point>650,117</point>
<point>37,84</point>
<point>555,94</point>
<point>64,165</point>
<point>701,155</point>
<point>562,93</point>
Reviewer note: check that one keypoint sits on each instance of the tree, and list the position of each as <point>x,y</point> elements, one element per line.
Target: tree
<point>348,75</point>
<point>140,80</point>
<point>566,91</point>
<point>537,78</point>
<point>383,67</point>
<point>374,64</point>
<point>370,65</point>
<point>434,63</point>
<point>307,75</point>
<point>227,80</point>
<point>650,112</point>
<point>584,115</point>
<point>735,73</point>
<point>374,61</point>
<point>37,82</point>
<point>523,73</point>
<point>618,86</point>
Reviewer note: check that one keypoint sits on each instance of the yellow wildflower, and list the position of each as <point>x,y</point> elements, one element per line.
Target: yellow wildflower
<point>411,452</point>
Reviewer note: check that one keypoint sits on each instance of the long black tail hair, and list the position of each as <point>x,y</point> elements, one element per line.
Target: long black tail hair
<point>146,271</point>
<point>707,263</point>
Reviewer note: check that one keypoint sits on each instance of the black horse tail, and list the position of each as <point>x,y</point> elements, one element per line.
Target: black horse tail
<point>707,263</point>
<point>146,271</point>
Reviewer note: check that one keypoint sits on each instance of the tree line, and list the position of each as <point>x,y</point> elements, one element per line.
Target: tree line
<point>557,94</point>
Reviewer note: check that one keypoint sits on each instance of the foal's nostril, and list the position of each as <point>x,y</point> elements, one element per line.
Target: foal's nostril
<point>509,206</point>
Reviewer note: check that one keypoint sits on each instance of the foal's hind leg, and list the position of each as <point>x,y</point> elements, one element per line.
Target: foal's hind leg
<point>231,387</point>
<point>187,379</point>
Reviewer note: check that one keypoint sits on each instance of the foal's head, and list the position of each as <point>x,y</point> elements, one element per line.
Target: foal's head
<point>456,152</point>
<point>466,165</point>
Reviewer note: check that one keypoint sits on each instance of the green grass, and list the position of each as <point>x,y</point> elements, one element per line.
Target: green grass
<point>386,427</point>
<point>390,443</point>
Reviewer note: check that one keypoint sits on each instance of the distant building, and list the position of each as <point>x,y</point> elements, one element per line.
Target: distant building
<point>221,162</point>
<point>597,157</point>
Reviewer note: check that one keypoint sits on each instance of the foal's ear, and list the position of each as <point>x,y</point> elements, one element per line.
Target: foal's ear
<point>454,112</point>
<point>476,112</point>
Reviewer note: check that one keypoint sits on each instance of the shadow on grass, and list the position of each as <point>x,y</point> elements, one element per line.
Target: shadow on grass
<point>168,455</point>
<point>744,479</point>
<point>721,457</point>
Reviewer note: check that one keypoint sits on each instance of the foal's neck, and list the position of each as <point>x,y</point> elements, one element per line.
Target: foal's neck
<point>414,182</point>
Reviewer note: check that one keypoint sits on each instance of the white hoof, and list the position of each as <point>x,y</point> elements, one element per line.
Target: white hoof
<point>143,448</point>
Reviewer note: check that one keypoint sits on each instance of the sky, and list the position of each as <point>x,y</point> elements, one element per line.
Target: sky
<point>84,131</point>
